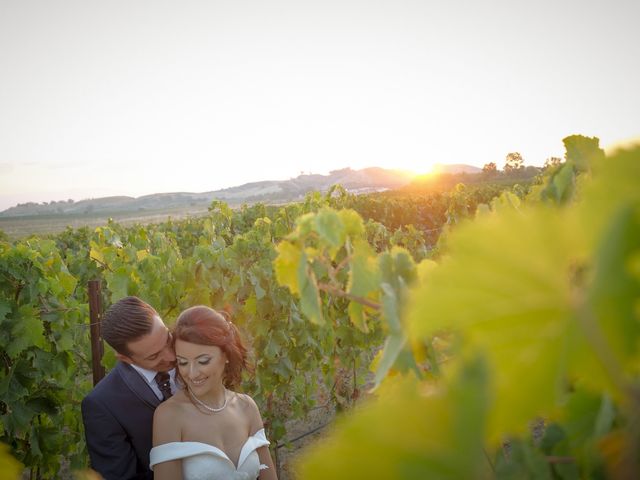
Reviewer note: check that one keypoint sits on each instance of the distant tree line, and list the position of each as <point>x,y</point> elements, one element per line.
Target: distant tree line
<point>52,202</point>
<point>514,167</point>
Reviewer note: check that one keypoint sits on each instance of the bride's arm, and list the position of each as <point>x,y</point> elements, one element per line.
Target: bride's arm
<point>265,459</point>
<point>256,424</point>
<point>166,429</point>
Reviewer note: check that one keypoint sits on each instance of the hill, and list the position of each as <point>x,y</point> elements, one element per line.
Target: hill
<point>367,179</point>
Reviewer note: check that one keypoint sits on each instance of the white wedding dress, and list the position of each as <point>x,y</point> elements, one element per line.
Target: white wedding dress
<point>201,461</point>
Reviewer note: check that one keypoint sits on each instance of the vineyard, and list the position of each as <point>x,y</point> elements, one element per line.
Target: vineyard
<point>480,310</point>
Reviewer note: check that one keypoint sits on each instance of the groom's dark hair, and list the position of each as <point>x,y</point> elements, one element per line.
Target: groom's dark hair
<point>126,321</point>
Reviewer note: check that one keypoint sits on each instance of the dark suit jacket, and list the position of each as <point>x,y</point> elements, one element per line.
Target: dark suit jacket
<point>118,421</point>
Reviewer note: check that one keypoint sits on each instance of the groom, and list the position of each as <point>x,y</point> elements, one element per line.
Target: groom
<point>118,412</point>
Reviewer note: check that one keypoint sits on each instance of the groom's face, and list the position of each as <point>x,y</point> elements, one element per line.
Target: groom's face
<point>152,351</point>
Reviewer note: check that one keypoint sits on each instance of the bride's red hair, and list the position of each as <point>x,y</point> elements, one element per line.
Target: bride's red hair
<point>205,326</point>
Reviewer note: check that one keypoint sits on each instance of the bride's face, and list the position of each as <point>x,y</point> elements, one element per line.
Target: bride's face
<point>201,366</point>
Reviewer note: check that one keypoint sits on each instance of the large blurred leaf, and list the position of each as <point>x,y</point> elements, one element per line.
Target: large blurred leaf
<point>413,430</point>
<point>507,289</point>
<point>614,186</point>
<point>614,295</point>
<point>522,461</point>
<point>610,219</point>
<point>10,467</point>
<point>586,418</point>
<point>524,287</point>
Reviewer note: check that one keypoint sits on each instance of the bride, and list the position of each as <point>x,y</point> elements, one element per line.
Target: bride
<point>207,431</point>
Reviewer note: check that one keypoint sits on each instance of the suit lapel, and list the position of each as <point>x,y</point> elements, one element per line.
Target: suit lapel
<point>137,384</point>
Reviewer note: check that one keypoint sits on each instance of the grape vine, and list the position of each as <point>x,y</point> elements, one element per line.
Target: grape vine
<point>224,259</point>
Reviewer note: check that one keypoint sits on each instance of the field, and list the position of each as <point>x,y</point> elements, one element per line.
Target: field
<point>20,227</point>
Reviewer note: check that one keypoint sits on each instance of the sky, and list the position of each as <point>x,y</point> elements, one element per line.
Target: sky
<point>135,97</point>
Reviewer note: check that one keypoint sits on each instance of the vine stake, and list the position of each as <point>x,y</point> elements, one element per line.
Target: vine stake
<point>95,314</point>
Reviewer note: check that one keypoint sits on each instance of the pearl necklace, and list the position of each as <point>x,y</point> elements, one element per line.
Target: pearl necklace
<point>204,405</point>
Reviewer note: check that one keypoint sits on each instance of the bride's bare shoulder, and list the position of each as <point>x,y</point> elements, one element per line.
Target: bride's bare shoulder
<point>243,400</point>
<point>250,409</point>
<point>171,410</point>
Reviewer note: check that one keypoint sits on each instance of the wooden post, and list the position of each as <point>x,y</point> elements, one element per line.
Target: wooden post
<point>95,316</point>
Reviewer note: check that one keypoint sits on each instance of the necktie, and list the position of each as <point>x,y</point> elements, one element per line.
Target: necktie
<point>162,379</point>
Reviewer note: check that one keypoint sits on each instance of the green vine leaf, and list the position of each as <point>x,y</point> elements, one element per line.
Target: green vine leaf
<point>393,345</point>
<point>364,273</point>
<point>5,309</point>
<point>119,283</point>
<point>286,265</point>
<point>310,302</point>
<point>330,228</point>
<point>353,225</point>
<point>27,331</point>
<point>67,281</point>
<point>364,280</point>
